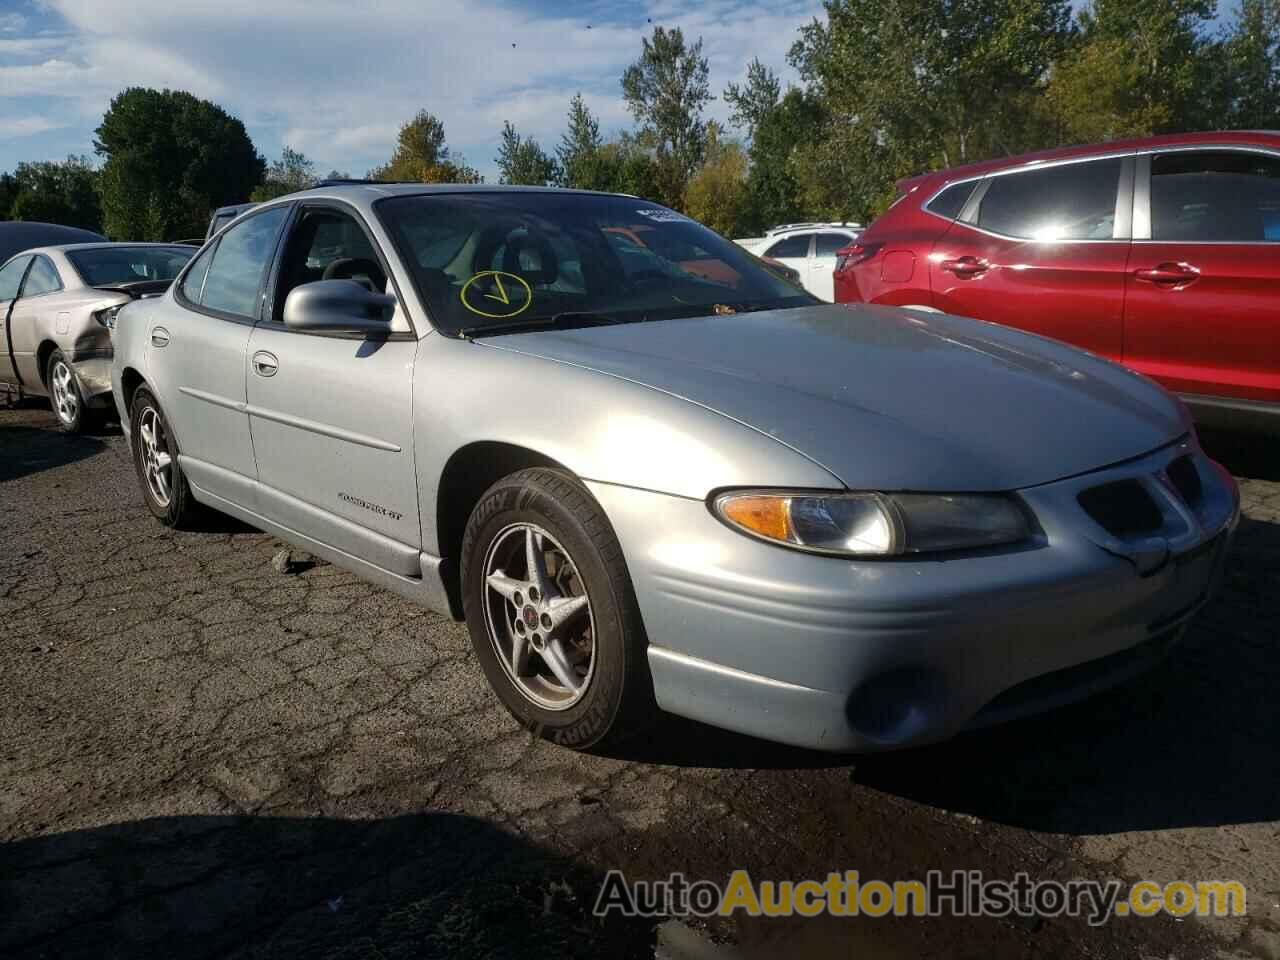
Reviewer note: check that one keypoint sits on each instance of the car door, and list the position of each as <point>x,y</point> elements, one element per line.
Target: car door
<point>1202,308</point>
<point>26,331</point>
<point>11,275</point>
<point>794,252</point>
<point>1043,250</point>
<point>331,414</point>
<point>821,281</point>
<point>197,356</point>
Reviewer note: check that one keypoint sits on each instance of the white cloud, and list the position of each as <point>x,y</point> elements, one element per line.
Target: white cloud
<point>336,80</point>
<point>28,126</point>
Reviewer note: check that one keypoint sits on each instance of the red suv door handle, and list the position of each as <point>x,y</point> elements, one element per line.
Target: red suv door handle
<point>965,266</point>
<point>1169,274</point>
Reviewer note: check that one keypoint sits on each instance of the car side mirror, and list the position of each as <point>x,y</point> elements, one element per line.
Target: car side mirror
<point>338,306</point>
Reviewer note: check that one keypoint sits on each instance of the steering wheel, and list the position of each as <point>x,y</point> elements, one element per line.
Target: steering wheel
<point>548,270</point>
<point>348,268</point>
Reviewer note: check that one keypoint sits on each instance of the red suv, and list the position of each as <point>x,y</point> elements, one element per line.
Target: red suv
<point>1162,254</point>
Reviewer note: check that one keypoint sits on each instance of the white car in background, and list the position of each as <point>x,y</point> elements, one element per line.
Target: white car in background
<point>809,249</point>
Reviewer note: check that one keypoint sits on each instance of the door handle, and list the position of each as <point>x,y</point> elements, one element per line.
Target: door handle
<point>265,364</point>
<point>159,337</point>
<point>965,266</point>
<point>1169,274</point>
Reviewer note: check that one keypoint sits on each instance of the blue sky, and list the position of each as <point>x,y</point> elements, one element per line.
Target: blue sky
<point>336,78</point>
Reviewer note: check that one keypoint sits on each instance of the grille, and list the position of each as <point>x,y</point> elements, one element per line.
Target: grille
<point>1184,476</point>
<point>1123,508</point>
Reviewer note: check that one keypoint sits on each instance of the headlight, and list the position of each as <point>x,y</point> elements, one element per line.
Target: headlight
<point>875,524</point>
<point>107,316</point>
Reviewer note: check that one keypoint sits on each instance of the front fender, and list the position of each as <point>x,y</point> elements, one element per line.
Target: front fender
<point>601,427</point>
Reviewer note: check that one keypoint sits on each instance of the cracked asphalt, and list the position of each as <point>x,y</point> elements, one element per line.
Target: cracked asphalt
<point>203,757</point>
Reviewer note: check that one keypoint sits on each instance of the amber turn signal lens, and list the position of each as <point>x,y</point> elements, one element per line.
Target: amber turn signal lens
<point>767,516</point>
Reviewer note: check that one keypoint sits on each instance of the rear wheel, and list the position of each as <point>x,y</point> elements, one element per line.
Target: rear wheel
<point>155,456</point>
<point>551,611</point>
<point>66,397</point>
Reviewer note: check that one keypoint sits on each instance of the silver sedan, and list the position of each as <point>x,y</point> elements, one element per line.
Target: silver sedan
<point>648,473</point>
<point>57,306</point>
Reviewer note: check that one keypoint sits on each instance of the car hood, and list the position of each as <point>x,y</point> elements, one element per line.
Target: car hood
<point>890,399</point>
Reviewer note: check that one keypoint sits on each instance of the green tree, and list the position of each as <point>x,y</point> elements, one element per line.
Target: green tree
<point>1140,67</point>
<point>291,173</point>
<point>170,158</point>
<point>753,100</point>
<point>8,192</point>
<point>1095,94</point>
<point>666,90</point>
<point>717,192</point>
<point>1249,97</point>
<point>579,149</point>
<point>522,160</point>
<point>63,192</point>
<point>773,192</point>
<point>421,154</point>
<point>913,84</point>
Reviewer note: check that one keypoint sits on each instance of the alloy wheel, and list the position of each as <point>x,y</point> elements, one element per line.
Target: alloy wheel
<point>538,616</point>
<point>157,465</point>
<point>66,399</point>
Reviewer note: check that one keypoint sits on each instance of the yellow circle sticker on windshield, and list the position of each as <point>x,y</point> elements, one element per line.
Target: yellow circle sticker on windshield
<point>493,293</point>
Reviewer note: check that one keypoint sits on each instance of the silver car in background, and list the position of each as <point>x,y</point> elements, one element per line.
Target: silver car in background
<point>57,307</point>
<point>644,486</point>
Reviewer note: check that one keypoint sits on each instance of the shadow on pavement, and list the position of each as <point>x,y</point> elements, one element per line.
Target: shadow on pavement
<point>29,450</point>
<point>425,886</point>
<point>1193,743</point>
<point>1252,455</point>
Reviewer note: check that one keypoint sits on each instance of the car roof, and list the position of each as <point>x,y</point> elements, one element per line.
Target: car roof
<point>364,193</point>
<point>812,227</point>
<point>106,245</point>
<point>19,236</point>
<point>1268,138</point>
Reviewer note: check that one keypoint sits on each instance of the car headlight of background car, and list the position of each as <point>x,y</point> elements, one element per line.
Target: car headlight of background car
<point>875,524</point>
<point>107,316</point>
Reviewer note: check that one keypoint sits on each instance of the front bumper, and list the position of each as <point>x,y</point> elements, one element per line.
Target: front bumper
<point>863,655</point>
<point>94,375</point>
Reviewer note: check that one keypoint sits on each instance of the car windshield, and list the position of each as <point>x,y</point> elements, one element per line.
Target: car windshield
<point>485,262</point>
<point>104,266</point>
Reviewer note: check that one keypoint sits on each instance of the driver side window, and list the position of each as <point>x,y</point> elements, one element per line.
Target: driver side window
<point>327,244</point>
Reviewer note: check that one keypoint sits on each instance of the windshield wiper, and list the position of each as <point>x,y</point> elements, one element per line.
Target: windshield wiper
<point>569,318</point>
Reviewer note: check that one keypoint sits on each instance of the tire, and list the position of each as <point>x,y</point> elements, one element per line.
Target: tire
<point>171,503</point>
<point>66,397</point>
<point>581,558</point>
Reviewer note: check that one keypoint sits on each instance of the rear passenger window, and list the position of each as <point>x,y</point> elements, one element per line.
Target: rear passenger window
<point>827,244</point>
<point>234,280</point>
<point>951,201</point>
<point>1072,201</point>
<point>1219,197</point>
<point>41,279</point>
<point>790,247</point>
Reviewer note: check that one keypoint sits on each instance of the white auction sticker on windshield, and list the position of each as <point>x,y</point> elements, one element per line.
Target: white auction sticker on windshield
<point>663,216</point>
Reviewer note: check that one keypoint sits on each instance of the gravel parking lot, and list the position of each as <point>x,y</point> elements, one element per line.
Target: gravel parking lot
<point>203,756</point>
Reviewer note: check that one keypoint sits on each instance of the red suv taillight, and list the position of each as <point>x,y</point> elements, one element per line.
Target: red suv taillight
<point>855,253</point>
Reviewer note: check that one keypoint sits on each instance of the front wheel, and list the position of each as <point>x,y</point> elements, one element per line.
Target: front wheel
<point>66,397</point>
<point>551,611</point>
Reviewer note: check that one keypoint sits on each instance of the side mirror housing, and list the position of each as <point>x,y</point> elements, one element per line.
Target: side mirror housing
<point>338,306</point>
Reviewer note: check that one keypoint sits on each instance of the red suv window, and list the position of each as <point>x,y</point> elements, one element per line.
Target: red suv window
<point>1220,196</point>
<point>1072,201</point>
